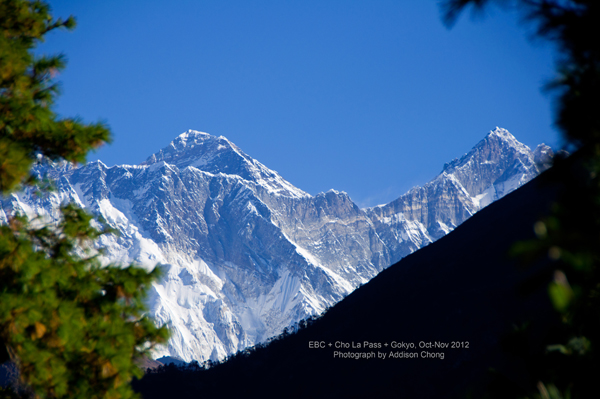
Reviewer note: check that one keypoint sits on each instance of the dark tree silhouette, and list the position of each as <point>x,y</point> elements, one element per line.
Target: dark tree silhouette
<point>569,235</point>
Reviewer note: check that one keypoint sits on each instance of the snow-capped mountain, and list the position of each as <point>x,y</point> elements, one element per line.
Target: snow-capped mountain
<point>497,165</point>
<point>245,252</point>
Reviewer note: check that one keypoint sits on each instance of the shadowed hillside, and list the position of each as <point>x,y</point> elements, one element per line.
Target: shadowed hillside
<point>246,254</point>
<point>463,290</point>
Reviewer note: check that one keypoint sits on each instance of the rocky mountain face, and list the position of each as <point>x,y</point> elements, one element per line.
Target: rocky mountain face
<point>245,252</point>
<point>497,165</point>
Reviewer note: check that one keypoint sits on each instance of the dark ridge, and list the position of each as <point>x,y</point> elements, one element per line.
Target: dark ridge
<point>463,289</point>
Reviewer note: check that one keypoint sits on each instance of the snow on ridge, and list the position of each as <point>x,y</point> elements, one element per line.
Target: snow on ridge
<point>209,157</point>
<point>511,140</point>
<point>499,131</point>
<point>503,135</point>
<point>128,166</point>
<point>98,162</point>
<point>189,133</point>
<point>219,305</point>
<point>444,176</point>
<point>159,165</point>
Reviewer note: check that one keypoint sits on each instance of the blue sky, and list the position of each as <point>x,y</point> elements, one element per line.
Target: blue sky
<point>368,97</point>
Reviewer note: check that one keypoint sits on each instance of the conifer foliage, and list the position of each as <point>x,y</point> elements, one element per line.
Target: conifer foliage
<point>73,328</point>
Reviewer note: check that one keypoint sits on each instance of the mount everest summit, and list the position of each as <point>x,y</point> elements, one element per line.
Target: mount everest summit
<point>246,253</point>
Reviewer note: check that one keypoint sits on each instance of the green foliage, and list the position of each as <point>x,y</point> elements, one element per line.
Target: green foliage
<point>27,91</point>
<point>569,236</point>
<point>73,328</point>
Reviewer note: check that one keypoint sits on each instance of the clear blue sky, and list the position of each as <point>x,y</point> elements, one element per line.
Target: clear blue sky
<point>368,97</point>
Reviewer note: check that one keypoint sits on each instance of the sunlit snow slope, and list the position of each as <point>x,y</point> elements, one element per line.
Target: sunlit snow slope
<point>245,252</point>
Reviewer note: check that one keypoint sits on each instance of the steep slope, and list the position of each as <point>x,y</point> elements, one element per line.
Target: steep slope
<point>246,253</point>
<point>463,291</point>
<point>496,166</point>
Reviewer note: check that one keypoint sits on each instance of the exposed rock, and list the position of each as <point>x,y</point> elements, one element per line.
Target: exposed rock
<point>246,253</point>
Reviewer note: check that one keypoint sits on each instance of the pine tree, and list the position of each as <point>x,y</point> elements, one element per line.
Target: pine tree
<point>73,327</point>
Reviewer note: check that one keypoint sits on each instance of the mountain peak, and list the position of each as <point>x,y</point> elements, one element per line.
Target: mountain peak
<point>495,143</point>
<point>192,138</point>
<point>194,148</point>
<point>501,132</point>
<point>504,138</point>
<point>245,252</point>
<point>216,155</point>
<point>498,152</point>
<point>193,133</point>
